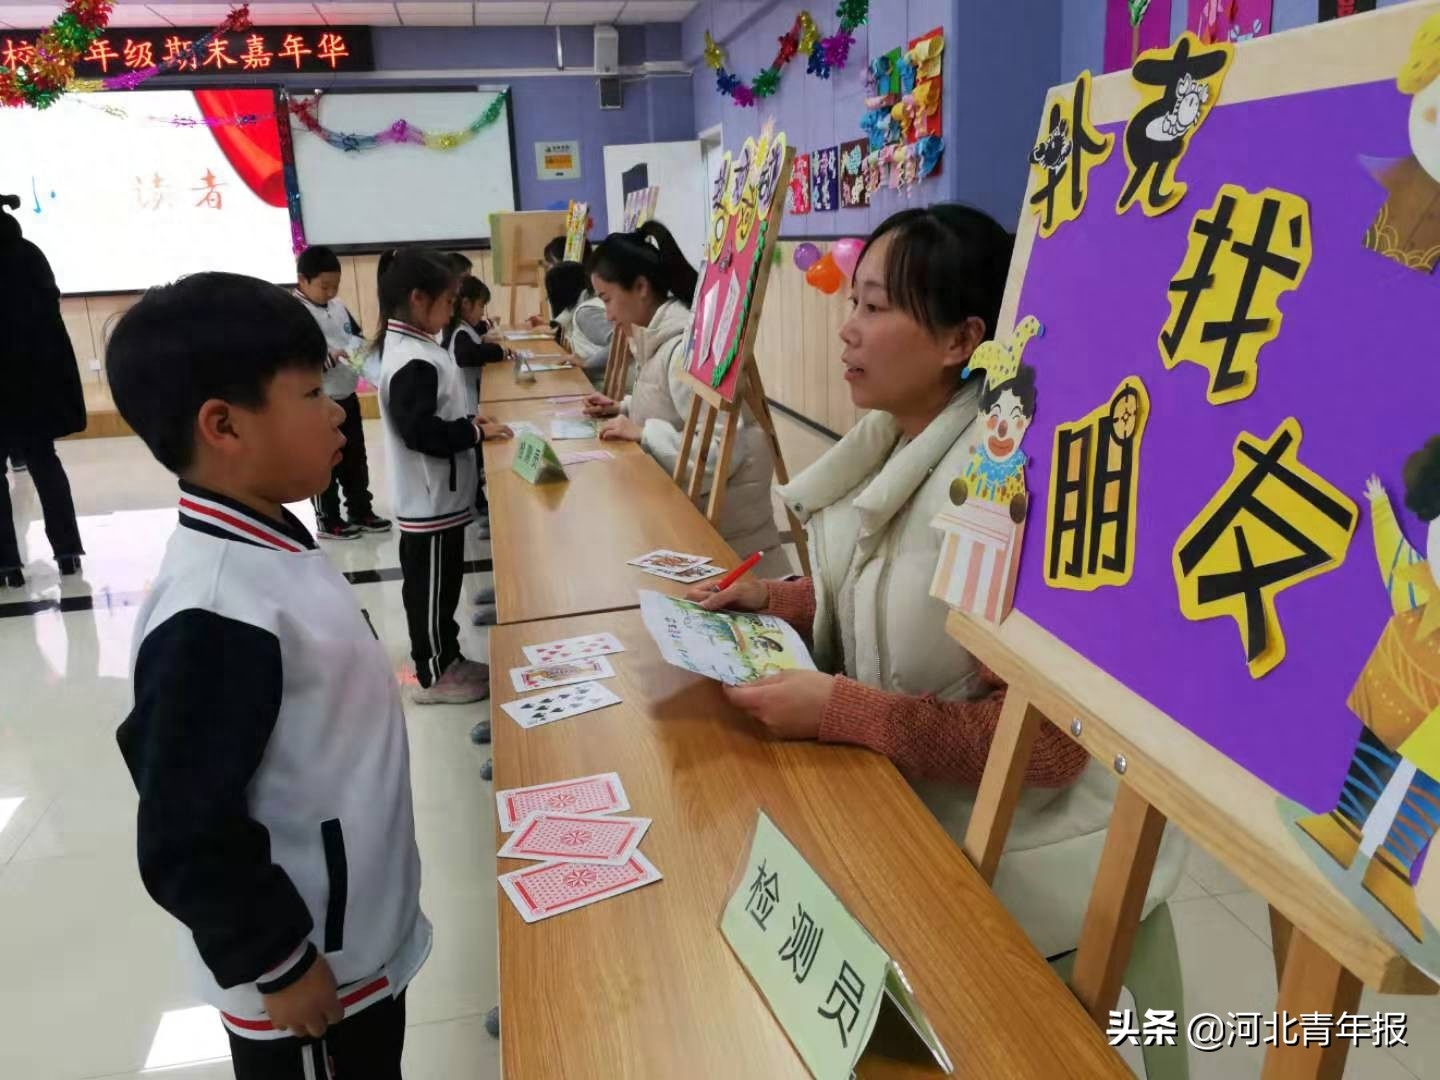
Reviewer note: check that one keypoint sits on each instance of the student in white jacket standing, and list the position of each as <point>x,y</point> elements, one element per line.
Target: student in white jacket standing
<point>645,281</point>
<point>926,293</point>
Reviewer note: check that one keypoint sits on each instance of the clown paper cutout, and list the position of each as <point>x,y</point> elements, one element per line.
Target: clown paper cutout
<point>1094,483</point>
<point>1407,227</point>
<point>984,530</point>
<point>1178,86</point>
<point>1067,149</point>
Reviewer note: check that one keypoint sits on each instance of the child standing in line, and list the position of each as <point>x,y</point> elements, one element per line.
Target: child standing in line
<point>267,740</point>
<point>465,340</point>
<point>430,450</point>
<point>318,270</point>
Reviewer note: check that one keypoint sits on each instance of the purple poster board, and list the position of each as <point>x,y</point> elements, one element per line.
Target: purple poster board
<point>1124,41</point>
<point>1355,362</point>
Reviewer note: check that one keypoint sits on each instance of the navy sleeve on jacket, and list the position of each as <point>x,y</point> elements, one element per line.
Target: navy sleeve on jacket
<point>207,695</point>
<point>472,354</point>
<point>414,391</point>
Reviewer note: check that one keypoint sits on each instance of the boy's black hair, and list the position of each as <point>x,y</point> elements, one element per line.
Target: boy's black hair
<point>314,261</point>
<point>565,283</point>
<point>211,335</point>
<point>1022,386</point>
<point>460,264</point>
<point>555,250</point>
<point>1422,482</point>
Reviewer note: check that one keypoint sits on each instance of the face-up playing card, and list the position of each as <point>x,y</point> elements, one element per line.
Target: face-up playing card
<point>559,704</point>
<point>572,429</point>
<point>539,892</point>
<point>546,837</point>
<point>599,794</point>
<point>524,427</point>
<point>698,572</point>
<point>563,673</point>
<point>570,648</point>
<point>669,561</point>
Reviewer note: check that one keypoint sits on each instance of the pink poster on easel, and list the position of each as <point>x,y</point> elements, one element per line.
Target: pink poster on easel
<point>1229,21</point>
<point>1131,27</point>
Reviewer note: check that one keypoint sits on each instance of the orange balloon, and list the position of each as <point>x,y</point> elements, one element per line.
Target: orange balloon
<point>825,275</point>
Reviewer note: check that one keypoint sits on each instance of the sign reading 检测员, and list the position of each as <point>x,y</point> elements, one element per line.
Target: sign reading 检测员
<point>536,460</point>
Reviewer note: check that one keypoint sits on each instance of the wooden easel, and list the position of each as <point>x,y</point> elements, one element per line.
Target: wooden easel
<point>1326,951</point>
<point>518,241</point>
<point>708,405</point>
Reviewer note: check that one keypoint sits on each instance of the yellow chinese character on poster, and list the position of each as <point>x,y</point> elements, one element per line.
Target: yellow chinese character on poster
<point>1273,524</point>
<point>1067,149</point>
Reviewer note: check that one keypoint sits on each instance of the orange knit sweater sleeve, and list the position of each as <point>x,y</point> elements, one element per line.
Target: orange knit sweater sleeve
<point>926,738</point>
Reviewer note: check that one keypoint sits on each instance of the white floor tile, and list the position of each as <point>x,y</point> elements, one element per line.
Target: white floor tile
<point>457,1048</point>
<point>1252,910</point>
<point>1212,876</point>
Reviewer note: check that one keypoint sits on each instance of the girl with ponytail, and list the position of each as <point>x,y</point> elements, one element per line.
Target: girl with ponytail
<point>645,282</point>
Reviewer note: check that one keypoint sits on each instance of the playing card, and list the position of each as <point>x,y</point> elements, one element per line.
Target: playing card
<point>569,701</point>
<point>572,429</point>
<point>579,457</point>
<point>523,427</point>
<point>544,676</point>
<point>599,794</point>
<point>528,335</point>
<point>546,837</point>
<point>572,647</point>
<point>670,561</point>
<point>539,892</point>
<point>699,572</point>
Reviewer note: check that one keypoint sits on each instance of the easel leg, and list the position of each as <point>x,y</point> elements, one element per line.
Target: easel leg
<point>1000,785</point>
<point>682,462</point>
<point>702,455</point>
<point>722,470</point>
<point>1313,982</point>
<point>755,396</point>
<point>1116,901</point>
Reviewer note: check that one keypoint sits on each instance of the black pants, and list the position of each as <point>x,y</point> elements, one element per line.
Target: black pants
<point>431,565</point>
<point>51,484</point>
<point>353,472</point>
<point>366,1046</point>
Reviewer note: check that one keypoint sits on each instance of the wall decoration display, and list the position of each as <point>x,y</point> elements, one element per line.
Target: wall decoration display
<point>1133,27</point>
<point>307,111</point>
<point>799,201</point>
<point>822,54</point>
<point>825,180</point>
<point>852,178</point>
<point>1229,20</point>
<point>903,118</point>
<point>577,226</point>
<point>640,208</point>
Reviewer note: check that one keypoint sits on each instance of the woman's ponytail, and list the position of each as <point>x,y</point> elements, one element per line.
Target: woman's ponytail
<point>650,253</point>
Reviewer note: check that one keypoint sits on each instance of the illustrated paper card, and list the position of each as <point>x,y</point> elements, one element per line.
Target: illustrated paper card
<point>538,892</point>
<point>602,793</point>
<point>1067,149</point>
<point>577,224</point>
<point>1230,21</point>
<point>1091,518</point>
<point>852,177</point>
<point>560,704</point>
<point>1243,254</point>
<point>1407,226</point>
<point>825,180</point>
<point>734,648</point>
<point>561,430</point>
<point>800,185</point>
<point>690,574</point>
<point>1179,86</point>
<point>560,673</point>
<point>573,647</point>
<point>668,561</point>
<point>547,836</point>
<point>1272,525</point>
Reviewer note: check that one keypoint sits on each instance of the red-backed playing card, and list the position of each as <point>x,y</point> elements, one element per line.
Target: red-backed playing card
<point>539,892</point>
<point>575,838</point>
<point>599,794</point>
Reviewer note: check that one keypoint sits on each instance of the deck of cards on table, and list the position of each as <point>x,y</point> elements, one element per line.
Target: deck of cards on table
<point>677,566</point>
<point>571,665</point>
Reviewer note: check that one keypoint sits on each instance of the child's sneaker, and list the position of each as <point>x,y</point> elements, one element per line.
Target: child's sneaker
<point>336,530</point>
<point>485,615</point>
<point>484,595</point>
<point>476,673</point>
<point>371,523</point>
<point>452,688</point>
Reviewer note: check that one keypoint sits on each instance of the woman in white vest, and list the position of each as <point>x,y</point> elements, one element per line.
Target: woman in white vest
<point>926,293</point>
<point>645,281</point>
<point>580,315</point>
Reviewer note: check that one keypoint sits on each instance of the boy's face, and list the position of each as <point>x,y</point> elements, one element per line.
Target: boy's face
<point>322,288</point>
<point>285,450</point>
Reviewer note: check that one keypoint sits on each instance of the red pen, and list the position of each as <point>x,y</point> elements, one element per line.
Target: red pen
<point>736,574</point>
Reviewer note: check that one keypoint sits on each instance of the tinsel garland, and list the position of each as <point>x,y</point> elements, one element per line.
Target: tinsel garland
<point>823,55</point>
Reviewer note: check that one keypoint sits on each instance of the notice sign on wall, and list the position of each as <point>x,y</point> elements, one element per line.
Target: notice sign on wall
<point>558,160</point>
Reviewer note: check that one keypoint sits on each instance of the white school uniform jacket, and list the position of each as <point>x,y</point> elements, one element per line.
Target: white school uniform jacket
<point>430,432</point>
<point>268,746</point>
<point>342,334</point>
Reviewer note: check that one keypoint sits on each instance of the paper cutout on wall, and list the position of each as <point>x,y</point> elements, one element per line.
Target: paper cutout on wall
<point>1233,21</point>
<point>1388,808</point>
<point>577,224</point>
<point>1131,27</point>
<point>1243,254</point>
<point>1179,86</point>
<point>1273,524</point>
<point>1067,149</point>
<point>825,180</point>
<point>1091,517</point>
<point>925,53</point>
<point>883,74</point>
<point>852,177</point>
<point>1407,226</point>
<point>800,185</point>
<point>985,527</point>
<point>741,209</point>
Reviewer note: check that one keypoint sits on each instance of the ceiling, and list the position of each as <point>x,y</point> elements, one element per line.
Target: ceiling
<point>132,13</point>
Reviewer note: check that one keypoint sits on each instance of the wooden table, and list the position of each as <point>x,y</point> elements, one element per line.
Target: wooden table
<point>561,548</point>
<point>541,412</point>
<point>497,381</point>
<point>666,997</point>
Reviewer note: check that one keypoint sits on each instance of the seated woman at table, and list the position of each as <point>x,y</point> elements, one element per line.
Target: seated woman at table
<point>926,293</point>
<point>645,281</point>
<point>580,316</point>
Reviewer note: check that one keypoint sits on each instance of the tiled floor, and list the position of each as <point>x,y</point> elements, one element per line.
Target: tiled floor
<point>92,985</point>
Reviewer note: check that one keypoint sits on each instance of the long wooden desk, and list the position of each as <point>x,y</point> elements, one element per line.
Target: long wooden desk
<point>541,412</point>
<point>497,381</point>
<point>562,548</point>
<point>644,985</point>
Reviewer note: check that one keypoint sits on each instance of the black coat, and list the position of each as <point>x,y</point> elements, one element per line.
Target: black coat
<point>40,394</point>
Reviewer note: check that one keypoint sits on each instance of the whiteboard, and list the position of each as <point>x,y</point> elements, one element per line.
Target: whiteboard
<point>400,193</point>
<point>678,170</point>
